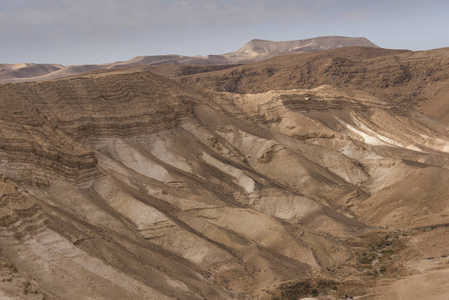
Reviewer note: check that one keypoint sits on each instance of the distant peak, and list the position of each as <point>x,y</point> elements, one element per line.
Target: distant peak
<point>306,45</point>
<point>257,41</point>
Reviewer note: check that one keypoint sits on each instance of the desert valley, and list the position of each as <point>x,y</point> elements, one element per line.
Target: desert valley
<point>309,169</point>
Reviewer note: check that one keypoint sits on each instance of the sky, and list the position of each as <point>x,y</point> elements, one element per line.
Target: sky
<point>100,31</point>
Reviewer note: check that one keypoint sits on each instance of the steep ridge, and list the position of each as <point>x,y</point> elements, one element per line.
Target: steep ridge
<point>418,79</point>
<point>151,189</point>
<point>339,67</point>
<point>255,50</point>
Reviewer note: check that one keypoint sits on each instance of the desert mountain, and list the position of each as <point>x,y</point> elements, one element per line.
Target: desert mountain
<point>320,175</point>
<point>415,79</point>
<point>255,50</point>
<point>26,70</point>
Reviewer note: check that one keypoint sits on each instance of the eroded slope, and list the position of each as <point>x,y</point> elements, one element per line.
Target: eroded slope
<point>151,189</point>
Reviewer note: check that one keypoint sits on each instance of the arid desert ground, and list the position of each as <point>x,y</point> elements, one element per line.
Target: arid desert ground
<point>274,172</point>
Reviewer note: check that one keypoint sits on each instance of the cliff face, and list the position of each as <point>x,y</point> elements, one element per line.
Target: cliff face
<point>128,185</point>
<point>415,79</point>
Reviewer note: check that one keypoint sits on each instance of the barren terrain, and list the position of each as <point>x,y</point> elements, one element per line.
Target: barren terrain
<point>125,184</point>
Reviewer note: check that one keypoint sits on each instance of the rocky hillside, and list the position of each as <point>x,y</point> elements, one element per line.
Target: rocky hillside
<point>418,79</point>
<point>129,185</point>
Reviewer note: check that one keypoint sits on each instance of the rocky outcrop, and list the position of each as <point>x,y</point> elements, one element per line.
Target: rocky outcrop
<point>414,79</point>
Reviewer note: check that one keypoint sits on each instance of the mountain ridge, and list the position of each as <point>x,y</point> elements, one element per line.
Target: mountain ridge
<point>321,42</point>
<point>35,72</point>
<point>410,78</point>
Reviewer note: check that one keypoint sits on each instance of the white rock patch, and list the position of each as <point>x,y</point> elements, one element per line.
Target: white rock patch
<point>239,177</point>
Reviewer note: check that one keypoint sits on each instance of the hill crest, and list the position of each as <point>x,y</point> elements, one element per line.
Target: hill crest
<point>305,45</point>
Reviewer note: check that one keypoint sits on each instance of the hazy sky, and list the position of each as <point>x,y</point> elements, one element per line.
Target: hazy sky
<point>98,31</point>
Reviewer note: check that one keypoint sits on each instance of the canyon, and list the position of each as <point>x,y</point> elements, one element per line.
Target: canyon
<point>312,175</point>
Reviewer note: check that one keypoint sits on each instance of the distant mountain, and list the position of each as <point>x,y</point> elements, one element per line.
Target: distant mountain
<point>26,70</point>
<point>253,51</point>
<point>257,50</point>
<point>309,45</point>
